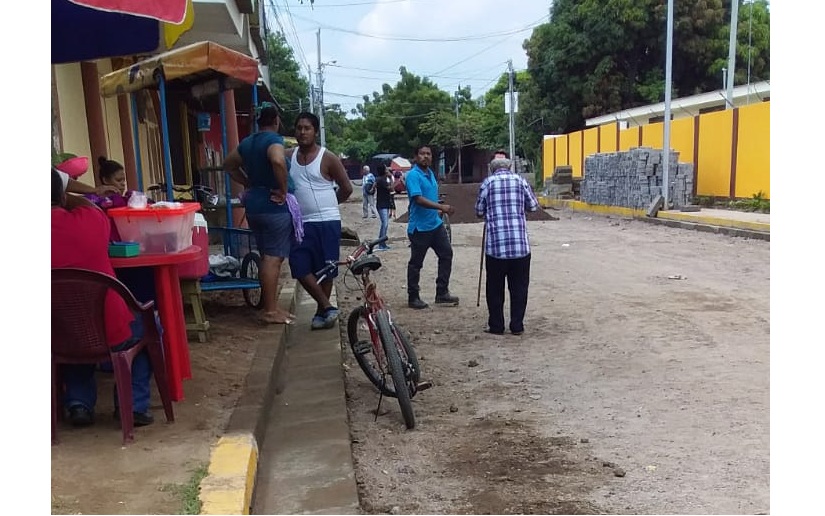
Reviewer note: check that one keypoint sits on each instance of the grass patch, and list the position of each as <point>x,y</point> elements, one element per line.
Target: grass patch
<point>188,493</point>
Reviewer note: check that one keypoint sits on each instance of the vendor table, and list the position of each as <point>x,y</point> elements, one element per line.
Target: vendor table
<point>169,304</point>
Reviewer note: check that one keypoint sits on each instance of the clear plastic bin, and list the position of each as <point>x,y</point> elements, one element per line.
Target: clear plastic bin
<point>157,229</point>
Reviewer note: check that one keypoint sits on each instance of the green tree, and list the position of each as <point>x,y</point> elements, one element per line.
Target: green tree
<point>289,87</point>
<point>395,116</point>
<point>599,56</point>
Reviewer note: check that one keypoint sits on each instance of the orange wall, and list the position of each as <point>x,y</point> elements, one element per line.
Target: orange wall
<point>607,137</point>
<point>753,151</point>
<point>575,157</point>
<point>628,138</point>
<point>715,141</point>
<point>713,166</point>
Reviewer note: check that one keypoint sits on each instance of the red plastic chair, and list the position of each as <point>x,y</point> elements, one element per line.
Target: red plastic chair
<point>79,337</point>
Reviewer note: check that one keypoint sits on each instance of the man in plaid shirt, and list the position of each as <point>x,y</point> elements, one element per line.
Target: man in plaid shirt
<point>503,198</point>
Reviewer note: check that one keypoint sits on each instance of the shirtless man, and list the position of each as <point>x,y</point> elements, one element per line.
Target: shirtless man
<point>315,172</point>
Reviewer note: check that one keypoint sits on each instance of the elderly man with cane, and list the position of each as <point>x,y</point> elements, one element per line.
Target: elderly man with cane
<point>503,199</point>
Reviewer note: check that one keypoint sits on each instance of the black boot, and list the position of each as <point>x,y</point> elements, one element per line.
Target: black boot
<point>417,303</point>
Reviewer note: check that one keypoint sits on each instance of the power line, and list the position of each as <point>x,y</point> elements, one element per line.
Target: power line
<point>432,40</point>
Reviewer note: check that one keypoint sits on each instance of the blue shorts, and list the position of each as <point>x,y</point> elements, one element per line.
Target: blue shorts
<point>322,242</point>
<point>273,232</point>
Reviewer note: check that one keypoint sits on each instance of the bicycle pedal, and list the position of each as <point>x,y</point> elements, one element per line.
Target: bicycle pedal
<point>362,347</point>
<point>423,386</point>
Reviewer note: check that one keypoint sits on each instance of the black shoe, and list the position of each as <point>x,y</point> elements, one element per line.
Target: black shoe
<point>140,418</point>
<point>417,303</point>
<point>446,299</point>
<point>81,416</point>
<point>491,332</point>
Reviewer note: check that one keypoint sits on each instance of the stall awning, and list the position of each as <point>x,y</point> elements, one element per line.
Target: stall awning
<point>194,64</point>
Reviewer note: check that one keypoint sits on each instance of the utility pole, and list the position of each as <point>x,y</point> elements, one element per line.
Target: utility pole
<point>668,88</point>
<point>734,22</point>
<point>458,134</point>
<point>321,94</point>
<point>311,91</point>
<point>512,123</point>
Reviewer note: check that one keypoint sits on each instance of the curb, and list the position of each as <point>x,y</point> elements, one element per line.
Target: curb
<point>233,463</point>
<point>738,228</point>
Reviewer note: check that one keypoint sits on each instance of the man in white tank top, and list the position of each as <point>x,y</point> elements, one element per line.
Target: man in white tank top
<point>315,172</point>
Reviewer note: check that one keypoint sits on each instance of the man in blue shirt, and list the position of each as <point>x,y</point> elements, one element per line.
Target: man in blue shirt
<point>426,231</point>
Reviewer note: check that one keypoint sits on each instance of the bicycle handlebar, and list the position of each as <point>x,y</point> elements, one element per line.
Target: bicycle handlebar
<point>366,246</point>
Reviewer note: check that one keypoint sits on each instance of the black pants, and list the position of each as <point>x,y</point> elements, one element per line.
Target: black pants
<point>420,243</point>
<point>517,273</point>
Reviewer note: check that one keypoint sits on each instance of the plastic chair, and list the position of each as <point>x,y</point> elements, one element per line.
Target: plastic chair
<point>79,337</point>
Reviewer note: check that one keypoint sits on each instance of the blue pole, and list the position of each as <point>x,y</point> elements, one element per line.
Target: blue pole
<point>167,155</point>
<point>136,138</point>
<point>254,105</point>
<point>228,248</point>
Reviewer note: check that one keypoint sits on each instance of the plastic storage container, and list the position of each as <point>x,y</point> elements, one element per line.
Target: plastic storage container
<point>200,237</point>
<point>166,229</point>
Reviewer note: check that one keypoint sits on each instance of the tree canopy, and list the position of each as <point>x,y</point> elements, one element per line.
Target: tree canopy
<point>593,57</point>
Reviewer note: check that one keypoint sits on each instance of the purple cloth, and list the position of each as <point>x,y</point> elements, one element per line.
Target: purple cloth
<point>297,220</point>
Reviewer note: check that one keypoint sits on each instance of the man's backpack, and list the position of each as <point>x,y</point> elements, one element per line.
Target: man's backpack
<point>371,187</point>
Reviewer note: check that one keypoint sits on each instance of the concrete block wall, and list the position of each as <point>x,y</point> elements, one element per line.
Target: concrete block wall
<point>634,178</point>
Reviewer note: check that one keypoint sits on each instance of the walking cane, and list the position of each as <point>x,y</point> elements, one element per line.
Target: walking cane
<point>481,263</point>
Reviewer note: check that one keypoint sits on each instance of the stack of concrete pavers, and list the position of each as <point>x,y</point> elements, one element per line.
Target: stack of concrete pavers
<point>634,178</point>
<point>560,185</point>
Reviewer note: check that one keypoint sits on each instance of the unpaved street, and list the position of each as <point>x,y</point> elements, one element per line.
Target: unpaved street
<point>629,392</point>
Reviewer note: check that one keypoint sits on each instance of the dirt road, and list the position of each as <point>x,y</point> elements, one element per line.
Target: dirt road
<point>630,392</point>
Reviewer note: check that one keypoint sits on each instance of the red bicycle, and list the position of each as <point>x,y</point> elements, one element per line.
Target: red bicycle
<point>380,346</point>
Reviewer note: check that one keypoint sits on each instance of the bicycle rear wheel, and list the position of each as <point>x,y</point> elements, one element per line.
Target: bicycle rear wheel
<point>446,219</point>
<point>396,367</point>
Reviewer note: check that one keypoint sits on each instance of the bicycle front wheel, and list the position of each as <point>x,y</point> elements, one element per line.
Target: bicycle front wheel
<point>396,367</point>
<point>360,341</point>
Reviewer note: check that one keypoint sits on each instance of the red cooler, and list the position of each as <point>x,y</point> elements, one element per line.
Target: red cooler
<point>200,237</point>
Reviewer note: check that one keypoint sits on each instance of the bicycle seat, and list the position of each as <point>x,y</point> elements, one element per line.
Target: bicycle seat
<point>368,261</point>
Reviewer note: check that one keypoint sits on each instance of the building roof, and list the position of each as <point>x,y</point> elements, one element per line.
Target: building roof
<point>687,106</point>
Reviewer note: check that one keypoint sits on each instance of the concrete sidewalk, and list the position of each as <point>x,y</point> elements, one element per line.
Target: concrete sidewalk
<point>306,459</point>
<point>735,223</point>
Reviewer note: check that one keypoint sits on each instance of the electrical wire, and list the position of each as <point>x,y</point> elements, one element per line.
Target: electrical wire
<point>422,40</point>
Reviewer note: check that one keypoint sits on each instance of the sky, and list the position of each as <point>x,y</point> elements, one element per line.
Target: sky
<point>370,40</point>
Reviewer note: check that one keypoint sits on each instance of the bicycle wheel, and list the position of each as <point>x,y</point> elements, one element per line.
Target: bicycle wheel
<point>250,266</point>
<point>446,219</point>
<point>412,359</point>
<point>396,367</point>
<point>361,346</point>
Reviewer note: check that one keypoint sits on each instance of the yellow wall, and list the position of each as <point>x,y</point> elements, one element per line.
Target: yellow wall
<point>72,108</point>
<point>575,153</point>
<point>653,135</point>
<point>628,138</point>
<point>713,170</point>
<point>607,139</point>
<point>561,150</point>
<point>753,151</point>
<point>715,140</point>
<point>548,158</point>
<point>681,138</point>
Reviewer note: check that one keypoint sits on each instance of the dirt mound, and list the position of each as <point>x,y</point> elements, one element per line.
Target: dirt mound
<point>463,198</point>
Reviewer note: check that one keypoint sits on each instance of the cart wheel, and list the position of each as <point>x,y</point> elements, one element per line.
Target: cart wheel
<point>250,266</point>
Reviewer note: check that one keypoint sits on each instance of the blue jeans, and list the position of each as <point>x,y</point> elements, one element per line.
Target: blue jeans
<point>81,387</point>
<point>384,215</point>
